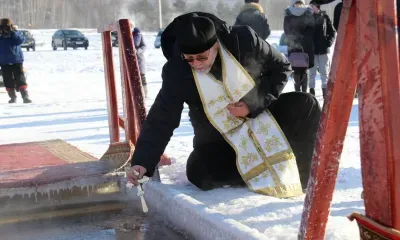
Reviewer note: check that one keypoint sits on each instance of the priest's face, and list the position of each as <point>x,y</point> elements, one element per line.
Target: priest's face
<point>203,61</point>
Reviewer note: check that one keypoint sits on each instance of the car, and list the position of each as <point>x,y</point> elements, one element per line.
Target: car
<point>282,46</point>
<point>69,38</point>
<point>29,42</point>
<point>157,42</point>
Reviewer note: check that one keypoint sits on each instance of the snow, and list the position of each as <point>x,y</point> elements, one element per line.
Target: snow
<point>68,91</point>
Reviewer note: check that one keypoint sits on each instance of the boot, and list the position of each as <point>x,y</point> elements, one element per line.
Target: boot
<point>324,93</point>
<point>25,95</point>
<point>13,95</point>
<point>312,91</point>
<point>145,91</point>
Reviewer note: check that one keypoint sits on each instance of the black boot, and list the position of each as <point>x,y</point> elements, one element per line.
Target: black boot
<point>25,95</point>
<point>312,91</point>
<point>324,93</point>
<point>13,95</point>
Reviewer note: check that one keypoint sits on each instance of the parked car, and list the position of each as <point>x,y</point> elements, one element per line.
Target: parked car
<point>282,46</point>
<point>157,42</point>
<point>69,38</point>
<point>29,42</point>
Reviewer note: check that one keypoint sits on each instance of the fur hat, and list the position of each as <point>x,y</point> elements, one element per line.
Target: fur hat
<point>197,35</point>
<point>292,2</point>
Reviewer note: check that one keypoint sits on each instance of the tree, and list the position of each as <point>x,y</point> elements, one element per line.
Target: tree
<point>180,6</point>
<point>201,6</point>
<point>167,12</point>
<point>146,14</point>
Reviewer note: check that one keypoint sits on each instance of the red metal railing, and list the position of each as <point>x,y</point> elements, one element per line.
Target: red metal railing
<point>132,90</point>
<point>366,53</point>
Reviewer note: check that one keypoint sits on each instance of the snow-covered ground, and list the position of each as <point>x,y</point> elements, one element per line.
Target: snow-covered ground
<point>68,91</point>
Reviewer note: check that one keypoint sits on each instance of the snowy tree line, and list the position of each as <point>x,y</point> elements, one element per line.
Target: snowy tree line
<point>92,13</point>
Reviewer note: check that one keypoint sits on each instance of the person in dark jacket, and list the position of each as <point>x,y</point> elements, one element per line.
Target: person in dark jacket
<point>252,15</point>
<point>212,162</point>
<point>299,26</point>
<point>336,15</point>
<point>140,46</point>
<point>11,61</point>
<point>324,36</point>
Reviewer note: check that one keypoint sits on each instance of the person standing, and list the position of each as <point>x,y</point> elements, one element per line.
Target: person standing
<point>11,61</point>
<point>140,47</point>
<point>252,15</point>
<point>299,26</point>
<point>336,15</point>
<point>324,36</point>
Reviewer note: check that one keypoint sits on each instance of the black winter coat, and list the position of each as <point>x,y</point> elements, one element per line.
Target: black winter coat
<point>299,27</point>
<point>253,15</point>
<point>324,34</point>
<point>336,15</point>
<point>269,69</point>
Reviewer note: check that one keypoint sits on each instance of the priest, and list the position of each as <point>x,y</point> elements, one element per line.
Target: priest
<point>246,132</point>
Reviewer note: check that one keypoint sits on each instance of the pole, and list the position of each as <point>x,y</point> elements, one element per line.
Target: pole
<point>160,12</point>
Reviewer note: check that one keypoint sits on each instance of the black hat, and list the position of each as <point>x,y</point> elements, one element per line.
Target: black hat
<point>315,3</point>
<point>197,34</point>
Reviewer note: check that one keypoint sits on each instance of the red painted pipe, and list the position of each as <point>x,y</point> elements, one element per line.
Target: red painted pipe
<point>332,130</point>
<point>111,91</point>
<point>378,72</point>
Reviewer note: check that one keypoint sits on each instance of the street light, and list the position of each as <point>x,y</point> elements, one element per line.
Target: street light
<point>160,13</point>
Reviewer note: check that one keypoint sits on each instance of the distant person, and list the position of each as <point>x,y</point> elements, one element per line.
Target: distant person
<point>324,36</point>
<point>299,26</point>
<point>11,61</point>
<point>336,15</point>
<point>140,46</point>
<point>252,15</point>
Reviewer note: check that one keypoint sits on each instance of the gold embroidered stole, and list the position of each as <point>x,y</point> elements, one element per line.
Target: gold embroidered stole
<point>264,157</point>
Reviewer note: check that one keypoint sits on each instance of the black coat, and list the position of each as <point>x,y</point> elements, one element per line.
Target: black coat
<point>267,66</point>
<point>253,15</point>
<point>324,34</point>
<point>336,15</point>
<point>299,27</point>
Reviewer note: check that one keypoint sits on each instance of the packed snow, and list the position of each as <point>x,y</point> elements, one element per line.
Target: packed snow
<point>68,91</point>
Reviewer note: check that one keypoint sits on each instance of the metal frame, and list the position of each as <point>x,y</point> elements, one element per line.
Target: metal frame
<point>132,90</point>
<point>366,53</point>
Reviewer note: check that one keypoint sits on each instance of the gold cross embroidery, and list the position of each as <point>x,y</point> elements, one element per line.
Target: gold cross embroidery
<point>249,159</point>
<point>272,143</point>
<point>264,128</point>
<point>243,143</point>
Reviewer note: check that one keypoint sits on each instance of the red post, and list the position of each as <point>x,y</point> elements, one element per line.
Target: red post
<point>133,75</point>
<point>378,72</point>
<point>332,130</point>
<point>132,90</point>
<point>111,91</point>
<point>127,98</point>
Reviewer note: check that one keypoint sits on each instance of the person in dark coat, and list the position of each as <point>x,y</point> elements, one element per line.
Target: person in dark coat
<point>336,15</point>
<point>11,61</point>
<point>212,162</point>
<point>299,29</point>
<point>140,46</point>
<point>324,36</point>
<point>252,15</point>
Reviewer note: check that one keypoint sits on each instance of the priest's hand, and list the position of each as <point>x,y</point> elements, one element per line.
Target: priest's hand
<point>135,173</point>
<point>239,109</point>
